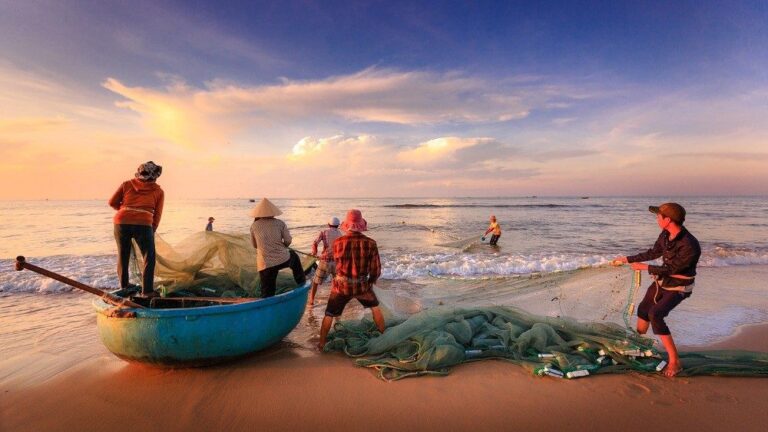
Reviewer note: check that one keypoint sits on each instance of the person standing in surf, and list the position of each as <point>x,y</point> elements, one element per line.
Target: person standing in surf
<point>495,229</point>
<point>326,265</point>
<point>358,267</point>
<point>139,204</point>
<point>673,279</point>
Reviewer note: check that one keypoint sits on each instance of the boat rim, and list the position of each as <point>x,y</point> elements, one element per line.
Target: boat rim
<point>102,307</point>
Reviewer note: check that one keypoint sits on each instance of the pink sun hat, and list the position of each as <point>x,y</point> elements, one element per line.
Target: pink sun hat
<point>354,222</point>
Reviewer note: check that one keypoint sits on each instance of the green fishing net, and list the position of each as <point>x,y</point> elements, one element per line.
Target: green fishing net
<point>433,340</point>
<point>214,264</point>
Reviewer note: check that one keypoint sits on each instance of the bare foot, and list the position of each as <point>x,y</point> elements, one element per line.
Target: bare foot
<point>672,369</point>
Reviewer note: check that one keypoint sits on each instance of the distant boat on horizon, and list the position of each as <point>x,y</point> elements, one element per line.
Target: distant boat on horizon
<point>252,200</point>
<point>584,197</point>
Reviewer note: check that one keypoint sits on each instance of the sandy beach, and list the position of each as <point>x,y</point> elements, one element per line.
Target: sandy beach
<point>523,172</point>
<point>56,375</point>
<point>285,390</point>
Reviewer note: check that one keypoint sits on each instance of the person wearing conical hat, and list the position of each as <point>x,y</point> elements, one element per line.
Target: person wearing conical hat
<point>326,265</point>
<point>139,204</point>
<point>358,267</point>
<point>673,280</point>
<point>271,238</point>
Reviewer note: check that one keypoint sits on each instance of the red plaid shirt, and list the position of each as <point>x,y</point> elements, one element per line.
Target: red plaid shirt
<point>357,264</point>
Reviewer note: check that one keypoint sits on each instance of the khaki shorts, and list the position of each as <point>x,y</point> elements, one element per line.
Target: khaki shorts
<point>324,268</point>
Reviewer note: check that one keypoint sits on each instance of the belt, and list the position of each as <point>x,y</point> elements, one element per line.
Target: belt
<point>681,288</point>
<point>139,210</point>
<point>351,280</point>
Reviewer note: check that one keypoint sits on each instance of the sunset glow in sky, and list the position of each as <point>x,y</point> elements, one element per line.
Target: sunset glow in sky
<point>385,98</point>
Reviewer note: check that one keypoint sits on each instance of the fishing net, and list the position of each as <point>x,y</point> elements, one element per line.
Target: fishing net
<point>538,335</point>
<point>462,244</point>
<point>432,341</point>
<point>214,264</point>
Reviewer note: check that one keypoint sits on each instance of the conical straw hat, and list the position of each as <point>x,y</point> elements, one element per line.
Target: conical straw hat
<point>265,208</point>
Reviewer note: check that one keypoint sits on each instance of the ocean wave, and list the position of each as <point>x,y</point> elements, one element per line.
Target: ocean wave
<point>427,206</point>
<point>406,266</point>
<point>94,270</point>
<point>99,270</point>
<point>724,256</point>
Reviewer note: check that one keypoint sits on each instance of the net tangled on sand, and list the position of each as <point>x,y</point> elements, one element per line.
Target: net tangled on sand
<point>432,341</point>
<point>214,264</point>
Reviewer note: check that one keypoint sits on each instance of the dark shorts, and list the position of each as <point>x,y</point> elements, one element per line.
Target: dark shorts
<point>337,302</point>
<point>657,304</point>
<point>268,276</point>
<point>494,239</point>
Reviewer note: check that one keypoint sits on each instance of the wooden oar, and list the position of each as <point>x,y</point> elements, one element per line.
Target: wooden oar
<point>21,264</point>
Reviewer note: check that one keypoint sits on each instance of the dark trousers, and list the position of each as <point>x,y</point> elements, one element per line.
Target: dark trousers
<point>657,304</point>
<point>145,238</point>
<point>494,239</point>
<point>268,276</point>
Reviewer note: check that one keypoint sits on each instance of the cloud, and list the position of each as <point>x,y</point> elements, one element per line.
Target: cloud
<point>723,156</point>
<point>26,125</point>
<point>382,168</point>
<point>552,155</point>
<point>218,111</point>
<point>352,154</point>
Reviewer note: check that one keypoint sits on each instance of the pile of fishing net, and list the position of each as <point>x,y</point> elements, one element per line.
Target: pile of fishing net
<point>214,264</point>
<point>431,341</point>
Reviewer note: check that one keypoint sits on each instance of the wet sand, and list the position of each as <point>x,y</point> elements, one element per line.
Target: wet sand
<point>56,375</point>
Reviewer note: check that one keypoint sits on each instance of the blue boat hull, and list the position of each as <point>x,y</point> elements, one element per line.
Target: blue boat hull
<point>200,335</point>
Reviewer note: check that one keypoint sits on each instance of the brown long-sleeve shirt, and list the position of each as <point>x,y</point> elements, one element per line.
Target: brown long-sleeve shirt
<point>138,203</point>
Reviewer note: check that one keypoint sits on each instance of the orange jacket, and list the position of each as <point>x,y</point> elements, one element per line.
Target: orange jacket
<point>138,203</point>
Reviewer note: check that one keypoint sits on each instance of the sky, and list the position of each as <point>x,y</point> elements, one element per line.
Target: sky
<point>315,99</point>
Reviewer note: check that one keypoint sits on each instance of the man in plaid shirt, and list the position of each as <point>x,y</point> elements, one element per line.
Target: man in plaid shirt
<point>357,268</point>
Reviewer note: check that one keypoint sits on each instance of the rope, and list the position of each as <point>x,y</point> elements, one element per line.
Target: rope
<point>633,288</point>
<point>303,253</point>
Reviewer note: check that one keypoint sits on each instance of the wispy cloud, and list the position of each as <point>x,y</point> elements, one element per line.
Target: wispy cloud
<point>26,125</point>
<point>221,109</point>
<point>463,164</point>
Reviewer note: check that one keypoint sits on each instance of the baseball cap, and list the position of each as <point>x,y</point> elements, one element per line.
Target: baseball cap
<point>674,211</point>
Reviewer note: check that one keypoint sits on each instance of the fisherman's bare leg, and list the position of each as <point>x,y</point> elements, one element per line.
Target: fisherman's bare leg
<point>312,293</point>
<point>378,318</point>
<point>642,326</point>
<point>325,327</point>
<point>674,359</point>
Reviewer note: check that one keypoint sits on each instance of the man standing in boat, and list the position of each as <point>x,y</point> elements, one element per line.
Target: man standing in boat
<point>357,268</point>
<point>271,238</point>
<point>139,205</point>
<point>673,279</point>
<point>326,264</point>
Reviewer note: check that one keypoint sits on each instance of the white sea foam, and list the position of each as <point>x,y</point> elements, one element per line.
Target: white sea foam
<point>99,270</point>
<point>408,266</point>
<point>458,264</point>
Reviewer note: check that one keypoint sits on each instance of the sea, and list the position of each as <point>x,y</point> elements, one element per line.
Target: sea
<point>543,239</point>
